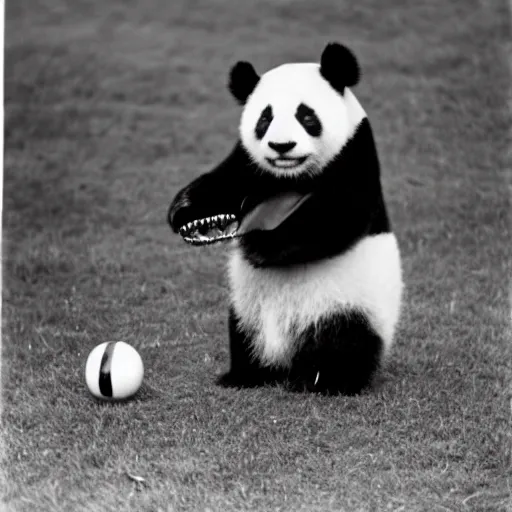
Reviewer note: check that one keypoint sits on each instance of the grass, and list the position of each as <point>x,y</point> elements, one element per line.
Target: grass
<point>111,107</point>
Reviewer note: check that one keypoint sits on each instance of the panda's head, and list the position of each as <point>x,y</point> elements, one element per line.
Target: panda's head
<point>297,117</point>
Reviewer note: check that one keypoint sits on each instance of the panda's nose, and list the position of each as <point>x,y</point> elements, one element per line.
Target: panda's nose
<point>282,147</point>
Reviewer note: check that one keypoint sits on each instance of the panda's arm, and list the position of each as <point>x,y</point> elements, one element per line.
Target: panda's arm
<point>219,191</point>
<point>327,224</point>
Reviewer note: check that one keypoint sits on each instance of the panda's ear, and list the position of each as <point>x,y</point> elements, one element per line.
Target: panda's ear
<point>242,81</point>
<point>339,66</point>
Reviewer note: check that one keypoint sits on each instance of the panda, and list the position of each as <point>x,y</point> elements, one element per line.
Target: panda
<point>315,301</point>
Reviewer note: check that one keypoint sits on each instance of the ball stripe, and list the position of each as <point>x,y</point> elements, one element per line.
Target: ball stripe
<point>105,381</point>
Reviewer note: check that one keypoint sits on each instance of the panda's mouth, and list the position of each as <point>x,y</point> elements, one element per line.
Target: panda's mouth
<point>210,229</point>
<point>285,162</point>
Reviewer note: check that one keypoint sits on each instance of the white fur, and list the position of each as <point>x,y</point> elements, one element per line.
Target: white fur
<point>274,302</point>
<point>285,88</point>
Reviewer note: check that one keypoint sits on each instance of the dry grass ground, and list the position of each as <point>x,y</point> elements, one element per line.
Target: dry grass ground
<point>113,106</point>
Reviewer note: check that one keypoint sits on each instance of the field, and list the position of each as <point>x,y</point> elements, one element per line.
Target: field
<point>110,108</point>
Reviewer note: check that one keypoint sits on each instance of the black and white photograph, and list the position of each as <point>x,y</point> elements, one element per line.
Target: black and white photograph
<point>256,256</point>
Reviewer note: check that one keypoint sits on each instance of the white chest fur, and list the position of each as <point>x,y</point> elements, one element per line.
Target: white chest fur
<point>276,303</point>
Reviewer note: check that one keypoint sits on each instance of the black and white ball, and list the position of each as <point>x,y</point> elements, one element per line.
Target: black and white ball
<point>316,299</point>
<point>114,370</point>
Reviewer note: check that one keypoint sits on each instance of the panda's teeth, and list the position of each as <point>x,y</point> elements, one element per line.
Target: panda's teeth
<point>209,230</point>
<point>186,228</point>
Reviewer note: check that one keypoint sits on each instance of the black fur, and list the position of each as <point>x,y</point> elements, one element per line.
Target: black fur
<point>339,66</point>
<point>263,122</point>
<point>221,190</point>
<point>309,120</point>
<point>246,370</point>
<point>242,81</point>
<point>340,355</point>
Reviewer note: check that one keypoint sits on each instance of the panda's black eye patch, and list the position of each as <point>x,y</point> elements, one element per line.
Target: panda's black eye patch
<point>309,120</point>
<point>264,122</point>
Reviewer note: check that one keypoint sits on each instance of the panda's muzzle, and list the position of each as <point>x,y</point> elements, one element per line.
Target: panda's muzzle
<point>284,160</point>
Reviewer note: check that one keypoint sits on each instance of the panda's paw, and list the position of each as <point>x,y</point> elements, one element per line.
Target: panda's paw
<point>234,380</point>
<point>250,378</point>
<point>227,381</point>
